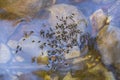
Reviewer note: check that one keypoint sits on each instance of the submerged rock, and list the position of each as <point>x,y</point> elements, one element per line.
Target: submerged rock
<point>69,77</point>
<point>70,25</point>
<point>68,13</point>
<point>98,20</point>
<point>108,41</point>
<point>22,9</point>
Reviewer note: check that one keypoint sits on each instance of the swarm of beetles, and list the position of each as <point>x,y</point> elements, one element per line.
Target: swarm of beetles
<point>61,40</point>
